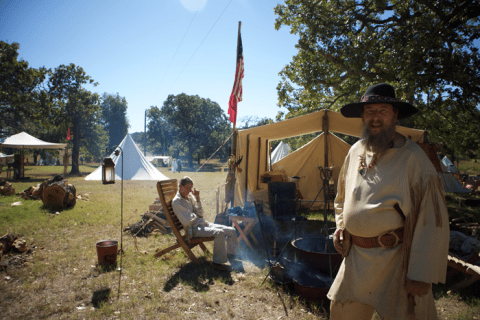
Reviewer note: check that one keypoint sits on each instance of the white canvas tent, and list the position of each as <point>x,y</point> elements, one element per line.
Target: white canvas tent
<point>136,166</point>
<point>23,140</point>
<point>450,183</point>
<point>253,145</point>
<point>280,152</point>
<point>5,159</point>
<point>304,163</point>
<point>448,165</point>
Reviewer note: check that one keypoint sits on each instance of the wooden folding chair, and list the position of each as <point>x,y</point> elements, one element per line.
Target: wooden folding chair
<point>167,190</point>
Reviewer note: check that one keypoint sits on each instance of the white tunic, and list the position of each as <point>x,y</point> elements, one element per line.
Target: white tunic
<point>364,206</point>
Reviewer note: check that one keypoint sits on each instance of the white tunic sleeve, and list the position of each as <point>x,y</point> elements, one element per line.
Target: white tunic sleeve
<point>429,247</point>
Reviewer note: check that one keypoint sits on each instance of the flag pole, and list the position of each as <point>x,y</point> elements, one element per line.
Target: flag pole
<point>234,136</point>
<point>231,178</point>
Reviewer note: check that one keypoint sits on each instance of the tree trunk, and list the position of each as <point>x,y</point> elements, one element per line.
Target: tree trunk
<point>76,146</point>
<point>59,195</point>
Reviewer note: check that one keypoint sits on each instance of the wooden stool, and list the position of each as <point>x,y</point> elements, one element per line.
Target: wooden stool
<point>248,223</point>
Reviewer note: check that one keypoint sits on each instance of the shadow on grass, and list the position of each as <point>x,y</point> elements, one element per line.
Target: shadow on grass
<point>100,297</point>
<point>198,276</point>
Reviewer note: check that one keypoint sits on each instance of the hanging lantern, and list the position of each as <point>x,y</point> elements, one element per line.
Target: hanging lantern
<point>108,171</point>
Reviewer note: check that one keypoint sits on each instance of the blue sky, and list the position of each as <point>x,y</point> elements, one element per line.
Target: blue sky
<point>136,48</point>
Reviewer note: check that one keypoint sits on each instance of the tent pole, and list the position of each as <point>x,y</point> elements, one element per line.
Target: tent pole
<point>266,155</point>
<point>246,168</point>
<point>325,132</point>
<point>258,162</point>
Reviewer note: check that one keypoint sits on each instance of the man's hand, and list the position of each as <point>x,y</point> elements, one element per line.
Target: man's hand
<point>196,193</point>
<point>338,240</point>
<point>417,288</point>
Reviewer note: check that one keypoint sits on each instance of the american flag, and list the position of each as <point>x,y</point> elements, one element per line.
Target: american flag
<point>237,91</point>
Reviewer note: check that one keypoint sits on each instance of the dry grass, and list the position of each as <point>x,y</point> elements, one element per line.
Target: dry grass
<point>61,280</point>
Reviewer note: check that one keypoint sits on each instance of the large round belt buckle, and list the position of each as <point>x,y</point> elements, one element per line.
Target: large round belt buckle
<point>390,239</point>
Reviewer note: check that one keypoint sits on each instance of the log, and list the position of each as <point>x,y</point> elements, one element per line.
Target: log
<point>7,242</point>
<point>159,227</point>
<point>161,221</point>
<point>59,195</point>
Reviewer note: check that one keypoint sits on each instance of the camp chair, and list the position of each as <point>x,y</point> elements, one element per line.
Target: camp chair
<point>167,190</point>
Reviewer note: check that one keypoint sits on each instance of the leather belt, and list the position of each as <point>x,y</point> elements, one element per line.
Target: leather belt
<point>386,240</point>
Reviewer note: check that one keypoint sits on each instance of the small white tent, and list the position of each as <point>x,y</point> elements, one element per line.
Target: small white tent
<point>450,183</point>
<point>449,165</point>
<point>5,159</point>
<point>137,167</point>
<point>280,152</point>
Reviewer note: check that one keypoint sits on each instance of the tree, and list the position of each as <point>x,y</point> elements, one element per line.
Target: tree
<point>160,132</point>
<point>21,93</point>
<point>424,48</point>
<point>114,118</point>
<point>200,125</point>
<point>78,108</point>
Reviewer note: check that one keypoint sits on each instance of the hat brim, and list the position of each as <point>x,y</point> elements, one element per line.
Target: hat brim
<point>354,110</point>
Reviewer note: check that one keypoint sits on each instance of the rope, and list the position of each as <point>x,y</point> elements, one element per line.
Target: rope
<point>223,143</point>
<point>200,44</point>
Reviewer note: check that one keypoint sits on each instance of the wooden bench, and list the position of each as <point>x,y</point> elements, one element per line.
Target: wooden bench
<point>167,190</point>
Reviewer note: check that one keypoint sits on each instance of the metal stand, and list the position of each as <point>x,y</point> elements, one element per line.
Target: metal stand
<point>326,175</point>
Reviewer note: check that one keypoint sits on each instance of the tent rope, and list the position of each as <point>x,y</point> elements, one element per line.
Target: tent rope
<point>223,143</point>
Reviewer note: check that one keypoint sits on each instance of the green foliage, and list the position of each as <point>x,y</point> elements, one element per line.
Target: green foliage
<point>21,96</point>
<point>192,125</point>
<point>160,132</point>
<point>114,118</point>
<point>423,48</point>
<point>75,107</point>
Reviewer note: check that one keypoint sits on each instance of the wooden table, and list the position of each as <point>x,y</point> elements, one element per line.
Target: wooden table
<point>248,224</point>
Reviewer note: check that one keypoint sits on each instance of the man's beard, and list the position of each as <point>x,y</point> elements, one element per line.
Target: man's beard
<point>379,142</point>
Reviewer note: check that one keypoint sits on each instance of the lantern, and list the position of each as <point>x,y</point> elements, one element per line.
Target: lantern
<point>108,171</point>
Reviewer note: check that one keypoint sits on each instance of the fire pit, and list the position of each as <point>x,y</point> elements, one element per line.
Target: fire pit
<point>311,250</point>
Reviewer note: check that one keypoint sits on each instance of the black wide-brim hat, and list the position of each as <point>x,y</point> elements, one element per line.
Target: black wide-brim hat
<point>379,93</point>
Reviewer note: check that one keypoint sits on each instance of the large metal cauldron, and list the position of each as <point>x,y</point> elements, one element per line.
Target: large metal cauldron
<point>312,251</point>
<point>312,284</point>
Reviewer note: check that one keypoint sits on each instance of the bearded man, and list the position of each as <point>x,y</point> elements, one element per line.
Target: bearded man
<point>391,216</point>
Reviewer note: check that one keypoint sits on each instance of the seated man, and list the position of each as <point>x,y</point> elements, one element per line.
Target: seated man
<point>188,209</point>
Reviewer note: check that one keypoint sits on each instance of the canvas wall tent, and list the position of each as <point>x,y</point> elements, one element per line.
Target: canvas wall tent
<point>280,152</point>
<point>253,145</point>
<point>136,166</point>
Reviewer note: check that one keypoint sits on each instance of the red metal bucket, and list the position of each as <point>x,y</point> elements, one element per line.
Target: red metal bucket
<point>107,253</point>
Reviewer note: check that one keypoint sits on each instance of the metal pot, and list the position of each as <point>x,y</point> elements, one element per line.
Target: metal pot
<point>312,285</point>
<point>311,250</point>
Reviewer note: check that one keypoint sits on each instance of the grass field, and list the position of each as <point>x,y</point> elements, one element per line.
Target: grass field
<point>61,279</point>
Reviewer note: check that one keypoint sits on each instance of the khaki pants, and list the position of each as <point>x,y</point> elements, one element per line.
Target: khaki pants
<point>225,240</point>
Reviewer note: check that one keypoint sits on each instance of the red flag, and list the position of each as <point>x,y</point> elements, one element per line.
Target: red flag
<point>237,91</point>
<point>68,134</point>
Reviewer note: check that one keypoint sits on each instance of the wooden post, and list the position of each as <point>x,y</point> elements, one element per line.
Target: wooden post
<point>267,152</point>
<point>246,168</point>
<point>325,133</point>
<point>258,162</point>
